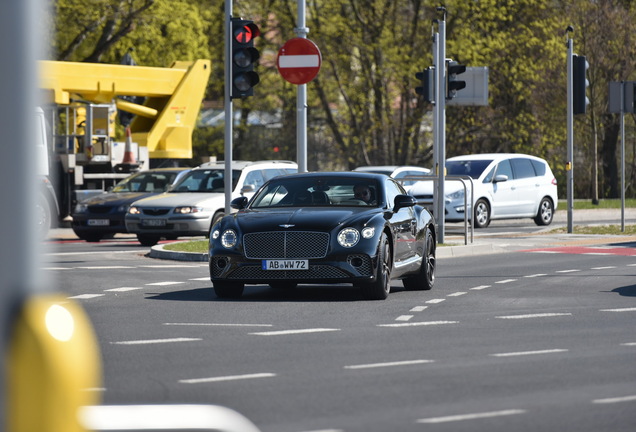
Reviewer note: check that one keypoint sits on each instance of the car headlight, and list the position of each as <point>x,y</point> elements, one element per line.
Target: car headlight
<point>348,237</point>
<point>134,210</point>
<point>368,232</point>
<point>229,239</point>
<point>457,195</point>
<point>188,210</point>
<point>81,208</point>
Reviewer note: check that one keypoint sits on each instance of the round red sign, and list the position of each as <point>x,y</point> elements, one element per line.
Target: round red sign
<point>299,60</point>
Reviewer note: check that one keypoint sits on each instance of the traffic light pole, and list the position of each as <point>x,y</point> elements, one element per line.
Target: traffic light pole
<point>301,100</point>
<point>440,108</point>
<point>569,167</point>
<point>228,105</point>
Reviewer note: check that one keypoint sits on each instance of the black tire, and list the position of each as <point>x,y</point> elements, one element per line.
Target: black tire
<point>481,214</point>
<point>546,212</point>
<point>229,290</point>
<point>148,239</point>
<point>217,216</point>
<point>283,285</point>
<point>425,278</point>
<point>381,287</point>
<point>43,216</point>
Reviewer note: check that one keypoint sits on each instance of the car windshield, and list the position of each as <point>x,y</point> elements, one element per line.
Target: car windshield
<point>147,181</point>
<point>205,180</point>
<point>318,192</point>
<point>472,168</point>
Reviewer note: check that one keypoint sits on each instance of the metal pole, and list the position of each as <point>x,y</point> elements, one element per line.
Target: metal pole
<point>440,102</point>
<point>570,137</point>
<point>623,156</point>
<point>301,100</point>
<point>435,118</point>
<point>228,106</point>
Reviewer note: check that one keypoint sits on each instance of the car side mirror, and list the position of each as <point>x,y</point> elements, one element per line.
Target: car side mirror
<point>402,201</point>
<point>239,203</point>
<point>500,178</point>
<point>248,188</point>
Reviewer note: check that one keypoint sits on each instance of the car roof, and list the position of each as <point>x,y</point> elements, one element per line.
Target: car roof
<point>493,156</point>
<point>390,168</point>
<point>350,174</point>
<point>240,164</point>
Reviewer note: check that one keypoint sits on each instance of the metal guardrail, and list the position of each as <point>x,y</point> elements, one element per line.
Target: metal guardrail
<point>468,222</point>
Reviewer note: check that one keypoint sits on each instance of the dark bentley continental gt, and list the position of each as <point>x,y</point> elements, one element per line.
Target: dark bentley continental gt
<point>324,228</point>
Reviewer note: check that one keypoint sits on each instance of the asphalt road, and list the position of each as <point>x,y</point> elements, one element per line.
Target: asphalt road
<point>529,336</point>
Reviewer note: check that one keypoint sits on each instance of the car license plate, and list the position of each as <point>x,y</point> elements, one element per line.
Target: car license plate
<point>285,264</point>
<point>153,222</point>
<point>98,222</point>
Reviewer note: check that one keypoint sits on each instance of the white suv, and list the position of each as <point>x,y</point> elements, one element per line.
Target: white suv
<point>507,186</point>
<point>194,203</point>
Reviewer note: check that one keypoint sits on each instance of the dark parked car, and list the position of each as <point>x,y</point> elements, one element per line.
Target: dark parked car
<point>104,215</point>
<point>321,228</point>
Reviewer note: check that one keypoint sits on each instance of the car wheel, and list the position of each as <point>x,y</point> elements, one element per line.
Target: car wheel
<point>231,290</point>
<point>217,216</point>
<point>546,212</point>
<point>283,285</point>
<point>43,216</point>
<point>380,288</point>
<point>148,239</point>
<point>482,214</point>
<point>425,278</point>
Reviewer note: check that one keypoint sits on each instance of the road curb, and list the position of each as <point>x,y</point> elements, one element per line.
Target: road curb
<point>159,252</point>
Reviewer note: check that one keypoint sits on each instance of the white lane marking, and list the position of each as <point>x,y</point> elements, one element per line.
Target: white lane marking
<point>540,315</point>
<point>535,275</point>
<point>155,341</point>
<point>416,324</point>
<point>546,252</point>
<point>474,416</point>
<point>419,308</point>
<point>165,283</point>
<point>631,265</point>
<point>619,310</point>
<point>227,378</point>
<point>597,253</point>
<point>615,400</point>
<point>172,266</point>
<point>568,271</point>
<point>524,353</point>
<point>388,364</point>
<point>457,294</point>
<point>434,301</point>
<point>506,281</point>
<point>480,287</point>
<point>89,253</point>
<point>291,332</point>
<point>104,267</point>
<point>404,317</point>
<point>629,344</point>
<point>201,279</point>
<point>218,325</point>
<point>86,296</point>
<point>56,268</point>
<point>604,268</point>
<point>123,289</point>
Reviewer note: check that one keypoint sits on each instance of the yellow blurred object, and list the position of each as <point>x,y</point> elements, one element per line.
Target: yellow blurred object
<point>54,366</point>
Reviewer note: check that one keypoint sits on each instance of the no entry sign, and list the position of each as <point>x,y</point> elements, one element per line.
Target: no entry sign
<point>299,61</point>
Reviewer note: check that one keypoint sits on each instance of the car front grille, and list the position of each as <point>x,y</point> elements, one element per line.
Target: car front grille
<point>314,272</point>
<point>286,244</point>
<point>155,211</point>
<point>99,209</point>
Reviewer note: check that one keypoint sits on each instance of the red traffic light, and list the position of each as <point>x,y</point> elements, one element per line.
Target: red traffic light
<point>245,33</point>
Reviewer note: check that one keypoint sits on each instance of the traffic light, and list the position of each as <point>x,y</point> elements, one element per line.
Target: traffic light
<point>244,57</point>
<point>452,83</point>
<point>579,84</point>
<point>427,89</point>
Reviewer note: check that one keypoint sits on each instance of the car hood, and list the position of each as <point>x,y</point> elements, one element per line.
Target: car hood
<point>116,198</point>
<point>321,219</point>
<point>183,199</point>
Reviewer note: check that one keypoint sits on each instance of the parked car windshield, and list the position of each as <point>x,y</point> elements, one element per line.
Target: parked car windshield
<point>205,180</point>
<point>473,168</point>
<point>146,181</point>
<point>318,192</point>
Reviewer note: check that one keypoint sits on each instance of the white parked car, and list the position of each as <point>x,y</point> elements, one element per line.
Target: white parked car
<point>397,172</point>
<point>507,186</point>
<point>194,203</point>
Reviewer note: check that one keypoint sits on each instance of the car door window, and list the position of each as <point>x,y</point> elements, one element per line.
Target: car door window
<point>255,178</point>
<point>522,168</point>
<point>504,168</point>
